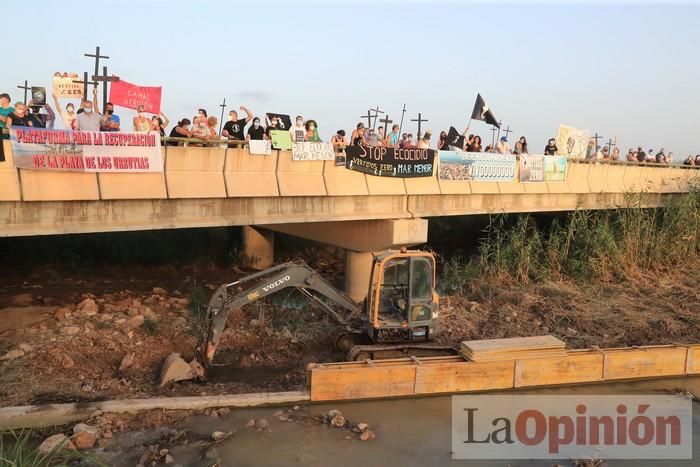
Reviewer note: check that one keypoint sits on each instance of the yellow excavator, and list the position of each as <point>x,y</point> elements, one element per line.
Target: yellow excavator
<point>399,317</point>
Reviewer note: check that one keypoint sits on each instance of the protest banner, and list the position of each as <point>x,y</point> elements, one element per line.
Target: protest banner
<point>534,169</point>
<point>476,166</point>
<point>572,142</point>
<point>313,152</point>
<point>285,121</point>
<point>39,95</point>
<point>63,86</point>
<point>390,162</point>
<point>131,96</point>
<point>259,147</point>
<point>86,151</point>
<point>281,139</point>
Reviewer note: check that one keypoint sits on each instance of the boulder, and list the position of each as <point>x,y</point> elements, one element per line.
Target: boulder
<point>55,443</point>
<point>367,435</point>
<point>84,440</point>
<point>159,291</point>
<point>134,322</point>
<point>87,307</point>
<point>220,435</point>
<point>63,313</point>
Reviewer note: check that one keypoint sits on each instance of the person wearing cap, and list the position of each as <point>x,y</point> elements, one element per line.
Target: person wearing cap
<point>502,146</point>
<point>424,142</point>
<point>357,137</point>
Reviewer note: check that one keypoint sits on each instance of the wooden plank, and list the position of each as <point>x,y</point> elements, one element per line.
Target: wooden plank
<point>361,383</point>
<point>514,343</point>
<point>692,363</point>
<point>644,362</point>
<point>577,367</point>
<point>464,377</point>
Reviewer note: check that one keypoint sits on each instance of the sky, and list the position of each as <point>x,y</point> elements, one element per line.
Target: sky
<point>625,70</point>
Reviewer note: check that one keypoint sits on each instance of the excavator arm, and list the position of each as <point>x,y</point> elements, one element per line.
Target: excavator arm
<point>236,294</point>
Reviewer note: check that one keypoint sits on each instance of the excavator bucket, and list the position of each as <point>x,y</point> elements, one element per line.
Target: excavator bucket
<point>175,368</point>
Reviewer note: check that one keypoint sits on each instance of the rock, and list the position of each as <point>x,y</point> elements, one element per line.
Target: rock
<point>338,420</point>
<point>159,291</point>
<point>127,362</point>
<point>12,354</point>
<point>175,369</point>
<point>84,440</point>
<point>71,330</point>
<point>251,423</point>
<point>26,348</point>
<point>223,412</point>
<point>67,362</point>
<point>134,322</point>
<point>93,430</point>
<point>87,307</point>
<point>168,459</point>
<point>286,333</point>
<point>63,313</point>
<point>220,435</point>
<point>296,407</point>
<point>262,424</point>
<point>148,314</point>
<point>112,308</point>
<point>362,427</point>
<point>367,435</point>
<point>55,443</point>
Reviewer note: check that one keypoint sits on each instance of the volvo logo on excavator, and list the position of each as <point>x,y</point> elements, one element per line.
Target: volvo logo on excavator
<point>276,284</point>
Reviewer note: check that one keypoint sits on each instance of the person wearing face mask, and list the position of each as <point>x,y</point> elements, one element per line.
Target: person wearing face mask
<point>5,110</point>
<point>141,122</point>
<point>110,120</point>
<point>19,117</point>
<point>199,122</point>
<point>88,120</point>
<point>159,122</point>
<point>298,132</point>
<point>312,131</point>
<point>256,132</point>
<point>42,120</point>
<point>69,116</point>
<point>233,129</point>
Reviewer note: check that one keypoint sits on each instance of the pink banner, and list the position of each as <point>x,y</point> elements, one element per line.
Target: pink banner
<point>131,96</point>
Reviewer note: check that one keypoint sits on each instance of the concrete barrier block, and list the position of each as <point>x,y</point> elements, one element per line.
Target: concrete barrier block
<point>9,177</point>
<point>343,182</point>
<point>49,185</point>
<point>385,185</point>
<point>299,178</point>
<point>536,187</point>
<point>423,185</point>
<point>195,172</point>
<point>615,179</point>
<point>631,179</point>
<point>484,187</point>
<point>250,175</point>
<point>577,178</point>
<point>132,185</point>
<point>454,187</point>
<point>512,187</point>
<point>597,178</point>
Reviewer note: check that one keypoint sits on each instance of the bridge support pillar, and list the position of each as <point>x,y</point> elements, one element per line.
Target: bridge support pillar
<point>358,269</point>
<point>258,247</point>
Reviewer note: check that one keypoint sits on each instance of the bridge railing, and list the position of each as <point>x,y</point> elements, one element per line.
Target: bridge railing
<point>225,169</point>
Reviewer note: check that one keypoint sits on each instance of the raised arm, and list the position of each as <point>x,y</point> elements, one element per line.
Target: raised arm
<point>248,114</point>
<point>58,107</point>
<point>94,100</point>
<point>165,119</point>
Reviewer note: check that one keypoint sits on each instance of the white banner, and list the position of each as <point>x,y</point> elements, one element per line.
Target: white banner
<point>86,151</point>
<point>260,147</point>
<point>313,152</point>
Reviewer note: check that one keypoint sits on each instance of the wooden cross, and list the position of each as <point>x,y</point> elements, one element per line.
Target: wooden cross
<point>500,124</point>
<point>97,58</point>
<point>596,138</point>
<point>419,120</point>
<point>223,106</point>
<point>369,118</point>
<point>376,115</point>
<point>26,88</point>
<point>386,123</point>
<point>104,79</point>
<point>610,144</point>
<point>507,130</point>
<point>85,83</point>
<point>402,114</point>
<point>493,136</point>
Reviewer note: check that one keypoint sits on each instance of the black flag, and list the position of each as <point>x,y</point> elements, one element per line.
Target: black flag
<point>454,138</point>
<point>285,121</point>
<point>482,112</point>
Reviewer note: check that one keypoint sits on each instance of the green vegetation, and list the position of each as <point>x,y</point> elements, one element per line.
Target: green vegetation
<point>608,245</point>
<point>199,299</point>
<point>16,450</point>
<point>150,327</point>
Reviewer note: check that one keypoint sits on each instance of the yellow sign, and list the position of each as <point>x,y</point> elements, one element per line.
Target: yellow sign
<point>63,86</point>
<point>572,142</point>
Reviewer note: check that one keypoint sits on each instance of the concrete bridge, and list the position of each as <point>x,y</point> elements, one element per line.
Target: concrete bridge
<point>219,186</point>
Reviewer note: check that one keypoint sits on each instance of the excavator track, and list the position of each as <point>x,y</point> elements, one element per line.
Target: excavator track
<point>409,349</point>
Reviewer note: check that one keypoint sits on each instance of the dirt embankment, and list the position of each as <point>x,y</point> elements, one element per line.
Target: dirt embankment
<point>71,339</point>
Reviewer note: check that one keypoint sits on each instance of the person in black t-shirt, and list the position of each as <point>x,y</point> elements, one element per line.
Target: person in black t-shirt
<point>551,148</point>
<point>19,117</point>
<point>256,131</point>
<point>233,130</point>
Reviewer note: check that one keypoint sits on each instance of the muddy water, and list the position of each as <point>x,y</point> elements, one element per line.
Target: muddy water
<point>410,432</point>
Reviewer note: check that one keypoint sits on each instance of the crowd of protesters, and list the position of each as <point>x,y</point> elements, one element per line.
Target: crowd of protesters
<point>205,128</point>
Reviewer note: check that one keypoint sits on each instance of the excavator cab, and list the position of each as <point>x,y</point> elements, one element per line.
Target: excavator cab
<point>402,304</point>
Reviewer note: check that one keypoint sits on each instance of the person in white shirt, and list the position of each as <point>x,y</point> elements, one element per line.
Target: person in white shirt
<point>88,119</point>
<point>298,131</point>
